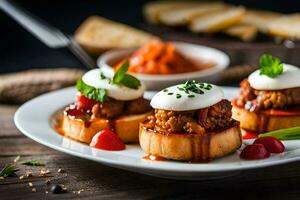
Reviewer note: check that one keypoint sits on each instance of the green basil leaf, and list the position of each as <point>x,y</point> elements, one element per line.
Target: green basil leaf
<point>130,81</point>
<point>120,73</point>
<point>90,92</point>
<point>121,78</point>
<point>270,66</point>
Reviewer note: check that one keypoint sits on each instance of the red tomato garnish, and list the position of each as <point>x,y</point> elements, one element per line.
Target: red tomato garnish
<point>85,103</point>
<point>107,140</point>
<point>254,152</point>
<point>272,144</point>
<point>248,135</point>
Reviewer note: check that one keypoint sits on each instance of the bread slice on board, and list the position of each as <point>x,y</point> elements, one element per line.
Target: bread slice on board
<point>260,19</point>
<point>153,9</point>
<point>287,26</point>
<point>183,15</point>
<point>97,34</point>
<point>244,32</point>
<point>217,21</point>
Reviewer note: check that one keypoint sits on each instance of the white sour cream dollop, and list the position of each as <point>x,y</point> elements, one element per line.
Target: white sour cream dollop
<point>168,99</point>
<point>93,78</point>
<point>290,78</point>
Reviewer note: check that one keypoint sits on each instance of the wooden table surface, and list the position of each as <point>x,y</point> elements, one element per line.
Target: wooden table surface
<point>95,181</point>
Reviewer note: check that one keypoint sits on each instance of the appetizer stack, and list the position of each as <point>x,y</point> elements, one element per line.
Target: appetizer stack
<point>105,101</point>
<point>270,98</point>
<point>213,17</point>
<point>191,122</point>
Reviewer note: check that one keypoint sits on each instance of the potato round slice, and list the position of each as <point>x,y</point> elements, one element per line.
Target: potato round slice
<point>191,147</point>
<point>127,127</point>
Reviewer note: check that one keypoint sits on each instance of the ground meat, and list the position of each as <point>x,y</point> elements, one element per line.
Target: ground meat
<point>246,93</point>
<point>278,99</point>
<point>255,100</point>
<point>172,121</point>
<point>218,116</point>
<point>108,109</point>
<point>194,127</point>
<point>113,108</point>
<point>137,106</point>
<point>197,121</point>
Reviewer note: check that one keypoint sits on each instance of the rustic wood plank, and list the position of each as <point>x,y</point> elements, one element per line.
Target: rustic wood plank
<point>7,126</point>
<point>99,181</point>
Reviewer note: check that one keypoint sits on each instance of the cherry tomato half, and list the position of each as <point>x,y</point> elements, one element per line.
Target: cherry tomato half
<point>107,140</point>
<point>272,144</point>
<point>254,152</point>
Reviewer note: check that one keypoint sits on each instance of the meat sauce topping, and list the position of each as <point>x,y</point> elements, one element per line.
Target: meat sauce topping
<point>209,119</point>
<point>259,100</point>
<point>87,109</point>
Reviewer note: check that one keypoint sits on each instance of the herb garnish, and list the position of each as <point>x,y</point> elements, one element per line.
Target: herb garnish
<point>98,94</point>
<point>178,96</point>
<point>195,87</point>
<point>284,134</point>
<point>102,76</point>
<point>8,170</point>
<point>270,66</point>
<point>121,78</point>
<point>33,163</point>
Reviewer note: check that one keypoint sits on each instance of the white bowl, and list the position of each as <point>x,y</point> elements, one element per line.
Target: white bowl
<point>157,82</point>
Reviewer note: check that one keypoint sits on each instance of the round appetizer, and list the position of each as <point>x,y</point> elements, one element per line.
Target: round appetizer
<point>105,101</point>
<point>270,98</point>
<point>191,122</point>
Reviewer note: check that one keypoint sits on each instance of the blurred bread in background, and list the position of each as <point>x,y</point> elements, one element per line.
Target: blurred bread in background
<point>215,17</point>
<point>287,26</point>
<point>217,21</point>
<point>153,10</point>
<point>97,34</point>
<point>244,32</point>
<point>260,19</point>
<point>184,14</point>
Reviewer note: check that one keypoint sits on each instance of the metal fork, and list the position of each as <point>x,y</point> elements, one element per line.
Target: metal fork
<point>49,35</point>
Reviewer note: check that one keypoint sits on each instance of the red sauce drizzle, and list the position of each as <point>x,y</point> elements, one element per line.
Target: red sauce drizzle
<point>248,134</point>
<point>153,158</point>
<point>112,124</point>
<point>75,113</point>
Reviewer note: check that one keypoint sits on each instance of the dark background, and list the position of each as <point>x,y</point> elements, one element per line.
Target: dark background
<point>19,50</point>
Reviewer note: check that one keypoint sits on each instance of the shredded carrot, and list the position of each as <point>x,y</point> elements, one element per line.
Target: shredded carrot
<point>159,57</point>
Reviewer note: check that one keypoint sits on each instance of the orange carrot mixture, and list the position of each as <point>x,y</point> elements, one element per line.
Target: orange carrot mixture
<point>159,57</point>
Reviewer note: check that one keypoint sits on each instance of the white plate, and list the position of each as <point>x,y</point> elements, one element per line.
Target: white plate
<point>157,82</point>
<point>33,119</point>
